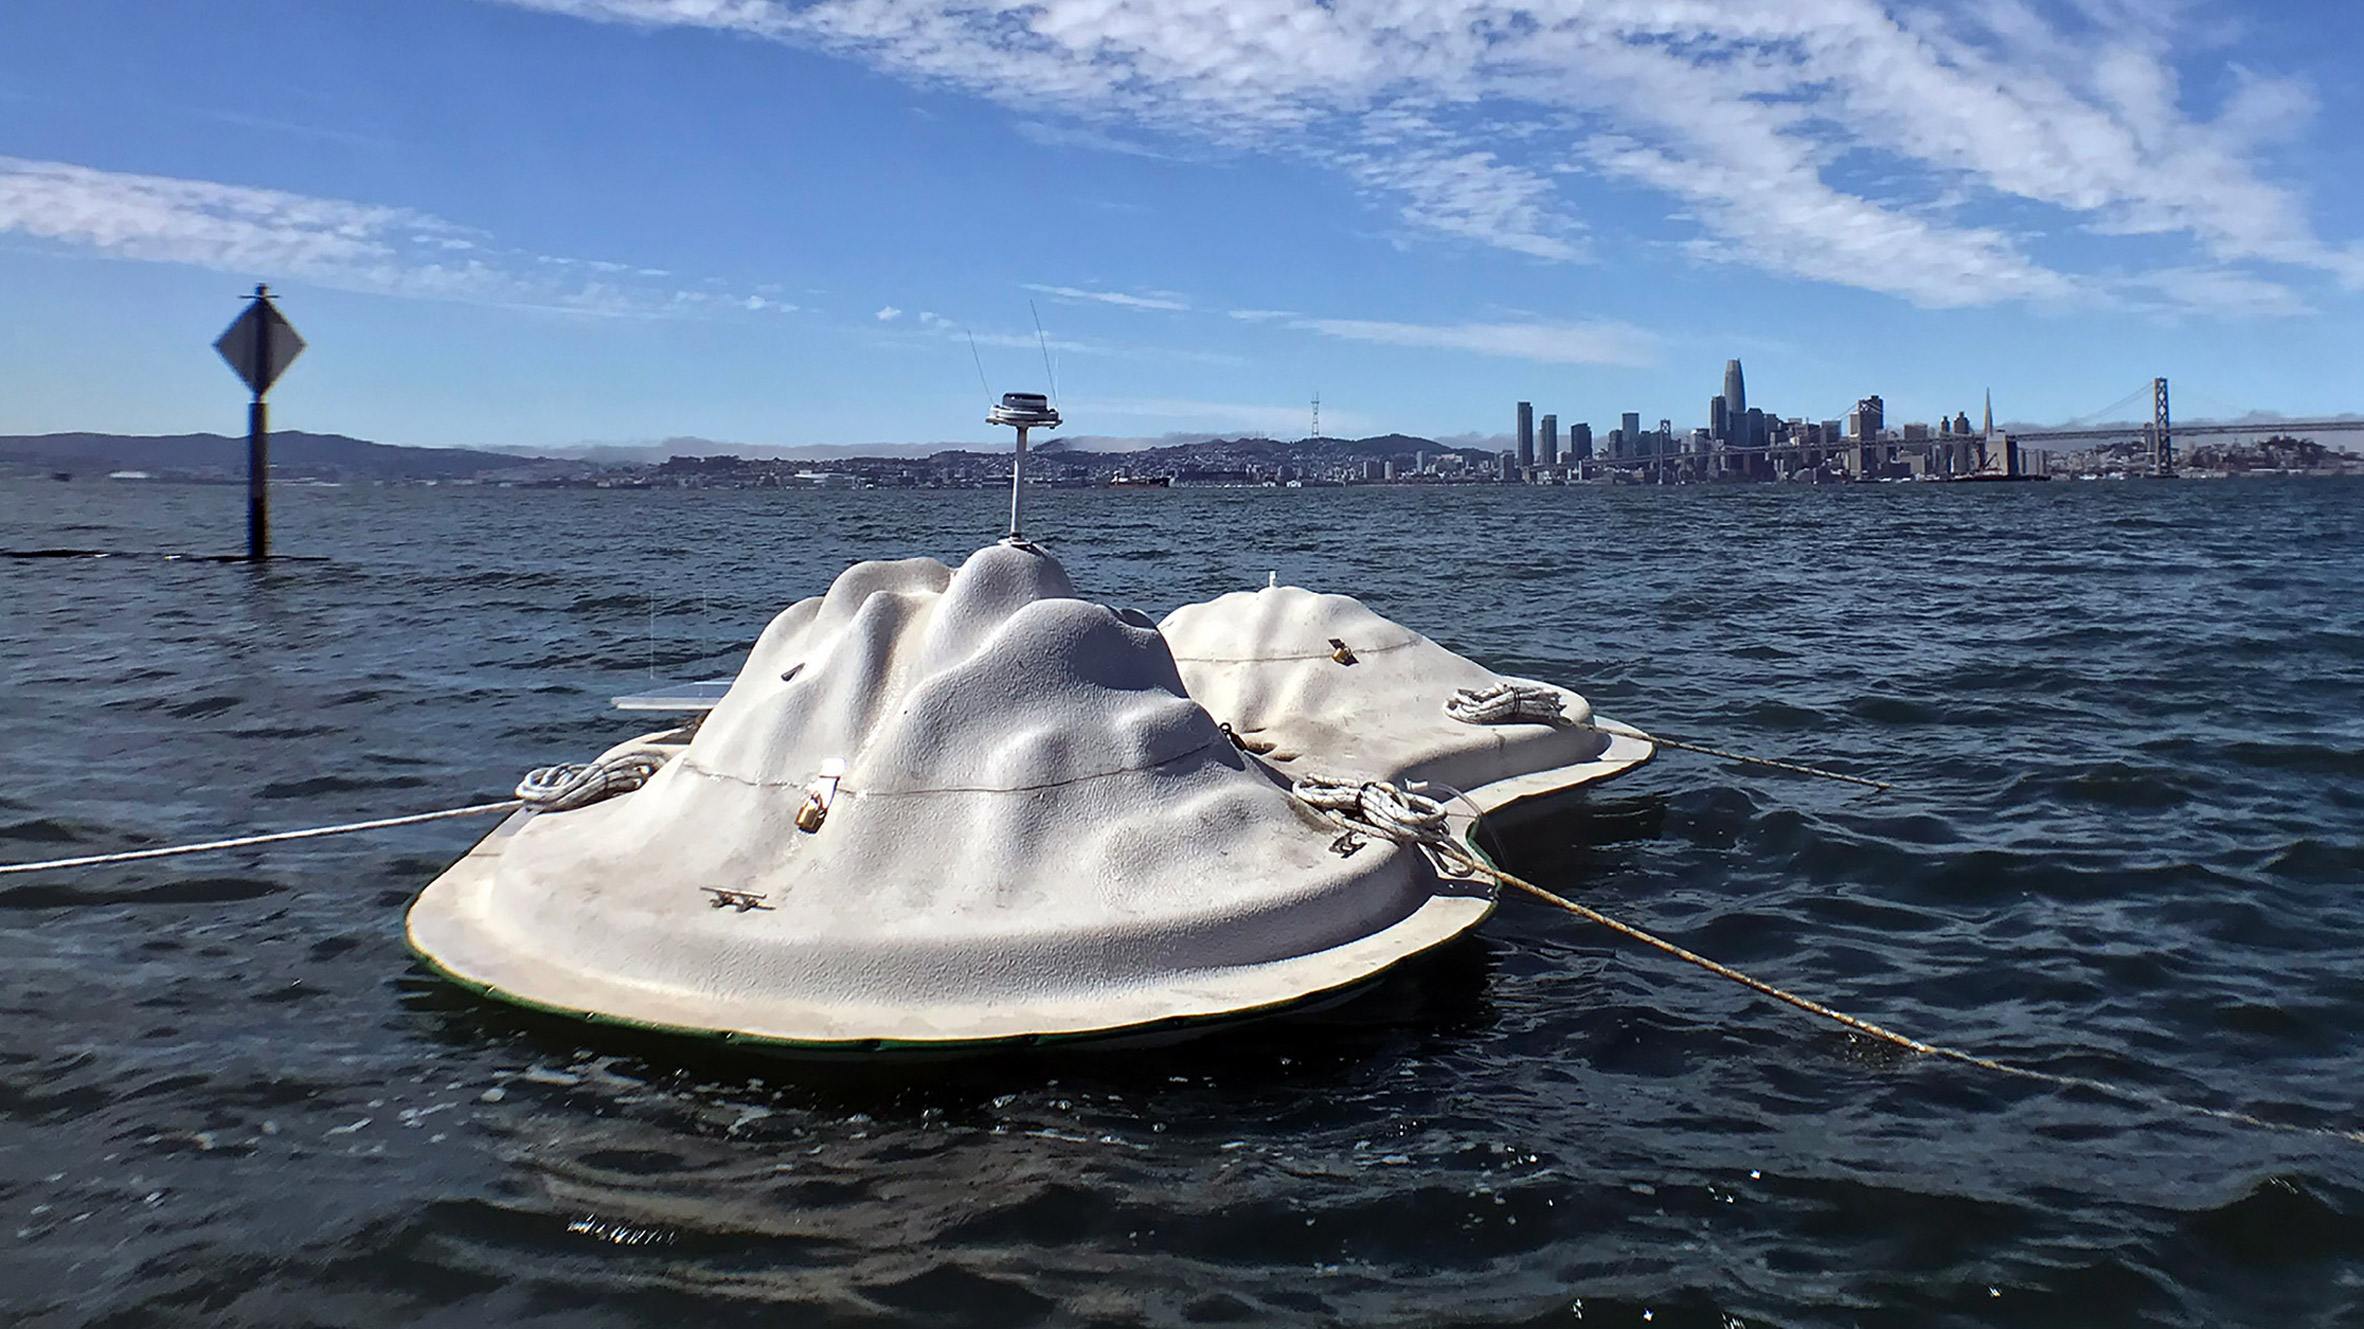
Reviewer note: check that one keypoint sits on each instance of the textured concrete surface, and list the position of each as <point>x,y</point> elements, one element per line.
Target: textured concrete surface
<point>1038,830</point>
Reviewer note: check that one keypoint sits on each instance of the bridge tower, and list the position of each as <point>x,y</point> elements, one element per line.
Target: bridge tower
<point>2162,432</point>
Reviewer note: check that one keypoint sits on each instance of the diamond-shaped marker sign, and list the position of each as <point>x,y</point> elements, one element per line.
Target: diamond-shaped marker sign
<point>260,345</point>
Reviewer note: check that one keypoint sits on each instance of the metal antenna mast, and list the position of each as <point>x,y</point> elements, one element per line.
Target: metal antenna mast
<point>1317,413</point>
<point>1023,411</point>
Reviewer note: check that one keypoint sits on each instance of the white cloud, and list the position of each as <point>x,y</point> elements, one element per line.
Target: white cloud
<point>1161,300</point>
<point>889,314</point>
<point>1027,341</point>
<point>1548,343</point>
<point>275,235</point>
<point>1871,143</point>
<point>1085,137</point>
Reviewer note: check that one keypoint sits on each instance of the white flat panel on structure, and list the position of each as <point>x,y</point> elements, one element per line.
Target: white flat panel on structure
<point>698,696</point>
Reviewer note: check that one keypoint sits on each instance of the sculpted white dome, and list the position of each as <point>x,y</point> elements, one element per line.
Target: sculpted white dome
<point>1037,831</point>
<point>1268,662</point>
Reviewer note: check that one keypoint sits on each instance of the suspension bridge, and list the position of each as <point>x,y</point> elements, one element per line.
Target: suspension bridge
<point>2157,438</point>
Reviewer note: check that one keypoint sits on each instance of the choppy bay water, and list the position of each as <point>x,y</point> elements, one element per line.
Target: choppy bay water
<point>2126,718</point>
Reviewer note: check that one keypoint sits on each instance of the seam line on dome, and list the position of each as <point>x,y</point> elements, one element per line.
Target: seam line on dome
<point>848,791</point>
<point>1273,659</point>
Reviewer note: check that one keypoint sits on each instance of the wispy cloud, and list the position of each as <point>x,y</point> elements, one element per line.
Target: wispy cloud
<point>888,314</point>
<point>273,234</point>
<point>1547,343</point>
<point>1161,300</point>
<point>1084,137</point>
<point>1483,121</point>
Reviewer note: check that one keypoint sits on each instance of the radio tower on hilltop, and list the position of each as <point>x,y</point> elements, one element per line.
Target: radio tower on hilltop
<point>1317,415</point>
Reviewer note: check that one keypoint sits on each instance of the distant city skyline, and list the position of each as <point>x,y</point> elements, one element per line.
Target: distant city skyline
<point>1741,441</point>
<point>553,223</point>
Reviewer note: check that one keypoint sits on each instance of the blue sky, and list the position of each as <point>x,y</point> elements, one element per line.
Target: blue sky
<point>537,223</point>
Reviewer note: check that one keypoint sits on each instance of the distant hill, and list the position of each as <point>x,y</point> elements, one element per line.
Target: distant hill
<point>294,455</point>
<point>301,456</point>
<point>1381,445</point>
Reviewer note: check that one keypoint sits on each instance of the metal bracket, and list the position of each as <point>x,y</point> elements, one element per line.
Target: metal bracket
<point>1259,746</point>
<point>739,900</point>
<point>1341,652</point>
<point>820,796</point>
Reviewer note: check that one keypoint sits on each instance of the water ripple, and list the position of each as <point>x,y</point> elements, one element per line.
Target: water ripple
<point>2125,843</point>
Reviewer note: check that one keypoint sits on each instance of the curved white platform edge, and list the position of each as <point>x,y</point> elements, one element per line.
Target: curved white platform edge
<point>947,809</point>
<point>445,929</point>
<point>1522,796</point>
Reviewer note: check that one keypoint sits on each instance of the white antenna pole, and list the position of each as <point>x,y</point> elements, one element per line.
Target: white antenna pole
<point>1017,486</point>
<point>1023,411</point>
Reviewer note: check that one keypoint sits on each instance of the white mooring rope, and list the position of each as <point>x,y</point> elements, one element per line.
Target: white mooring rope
<point>1383,811</point>
<point>580,784</point>
<point>1511,701</point>
<point>275,837</point>
<point>544,789</point>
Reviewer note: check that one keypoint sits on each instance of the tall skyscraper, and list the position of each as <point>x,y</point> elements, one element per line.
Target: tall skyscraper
<point>1632,425</point>
<point>1735,390</point>
<point>1719,420</point>
<point>1547,446</point>
<point>1525,457</point>
<point>1579,442</point>
<point>1865,422</point>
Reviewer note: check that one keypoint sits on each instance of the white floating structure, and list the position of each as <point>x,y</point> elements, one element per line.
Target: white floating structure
<point>1322,683</point>
<point>950,809</point>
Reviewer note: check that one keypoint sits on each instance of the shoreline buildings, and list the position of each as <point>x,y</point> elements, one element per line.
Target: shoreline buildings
<point>1741,442</point>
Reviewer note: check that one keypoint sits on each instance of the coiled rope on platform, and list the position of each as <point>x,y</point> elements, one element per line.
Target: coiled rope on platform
<point>1511,701</point>
<point>1384,811</point>
<point>564,788</point>
<point>1376,808</point>
<point>1517,701</point>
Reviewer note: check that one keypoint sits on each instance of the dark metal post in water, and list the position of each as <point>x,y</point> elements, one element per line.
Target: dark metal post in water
<point>259,346</point>
<point>258,449</point>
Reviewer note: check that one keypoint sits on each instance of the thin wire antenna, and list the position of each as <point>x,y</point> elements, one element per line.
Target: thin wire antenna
<point>980,363</point>
<point>1045,342</point>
